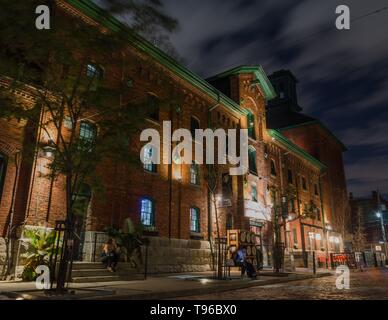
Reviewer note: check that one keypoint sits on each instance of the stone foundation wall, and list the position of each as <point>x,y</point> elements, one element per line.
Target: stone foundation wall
<point>177,255</point>
<point>164,255</point>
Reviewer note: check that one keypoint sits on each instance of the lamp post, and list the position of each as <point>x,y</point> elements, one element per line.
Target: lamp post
<point>381,217</point>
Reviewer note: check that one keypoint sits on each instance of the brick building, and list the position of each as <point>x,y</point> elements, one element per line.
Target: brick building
<point>172,201</point>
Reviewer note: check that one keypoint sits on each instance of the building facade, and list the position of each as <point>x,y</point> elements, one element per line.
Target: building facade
<point>287,171</point>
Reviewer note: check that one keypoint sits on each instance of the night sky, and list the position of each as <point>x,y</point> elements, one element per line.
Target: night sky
<point>342,74</point>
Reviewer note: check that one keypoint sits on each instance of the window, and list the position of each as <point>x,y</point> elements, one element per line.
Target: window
<point>87,135</point>
<point>273,168</point>
<point>290,176</point>
<point>292,205</point>
<point>3,169</point>
<point>153,107</point>
<point>316,190</point>
<point>252,160</point>
<point>295,236</point>
<point>251,125</point>
<point>147,213</point>
<point>194,220</point>
<point>254,193</point>
<point>93,71</point>
<point>194,174</point>
<point>194,125</point>
<point>149,153</point>
<point>227,187</point>
<point>304,183</point>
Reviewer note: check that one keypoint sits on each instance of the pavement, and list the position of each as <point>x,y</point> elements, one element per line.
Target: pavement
<point>371,284</point>
<point>159,287</point>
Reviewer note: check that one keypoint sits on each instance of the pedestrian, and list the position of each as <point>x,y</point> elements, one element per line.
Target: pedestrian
<point>240,259</point>
<point>110,255</point>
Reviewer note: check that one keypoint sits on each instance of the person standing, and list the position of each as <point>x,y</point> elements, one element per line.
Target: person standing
<point>241,259</point>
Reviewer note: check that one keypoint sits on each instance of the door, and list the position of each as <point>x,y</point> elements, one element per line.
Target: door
<point>80,209</point>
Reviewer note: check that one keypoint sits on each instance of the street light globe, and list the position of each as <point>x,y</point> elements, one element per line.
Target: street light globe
<point>378,214</point>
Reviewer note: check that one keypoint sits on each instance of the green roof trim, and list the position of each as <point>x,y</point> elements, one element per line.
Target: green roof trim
<point>277,136</point>
<point>105,19</point>
<point>261,78</point>
<point>341,144</point>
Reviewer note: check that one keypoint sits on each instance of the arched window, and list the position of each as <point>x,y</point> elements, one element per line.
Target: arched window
<point>252,160</point>
<point>147,212</point>
<point>273,168</point>
<point>195,225</point>
<point>3,169</point>
<point>149,152</point>
<point>194,125</point>
<point>254,193</point>
<point>153,107</point>
<point>87,135</point>
<point>194,174</point>
<point>251,125</point>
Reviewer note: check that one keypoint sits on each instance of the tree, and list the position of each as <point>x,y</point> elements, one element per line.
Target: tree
<point>213,177</point>
<point>358,237</point>
<point>279,213</point>
<point>81,118</point>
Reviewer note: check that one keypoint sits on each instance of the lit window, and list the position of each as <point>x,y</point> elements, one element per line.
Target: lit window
<point>254,193</point>
<point>252,160</point>
<point>149,153</point>
<point>147,213</point>
<point>194,174</point>
<point>3,168</point>
<point>194,220</point>
<point>251,125</point>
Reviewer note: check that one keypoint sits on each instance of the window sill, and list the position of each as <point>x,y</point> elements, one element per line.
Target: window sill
<point>150,233</point>
<point>196,236</point>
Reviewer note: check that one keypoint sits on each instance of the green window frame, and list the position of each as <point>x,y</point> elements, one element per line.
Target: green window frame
<point>251,126</point>
<point>252,160</point>
<point>254,193</point>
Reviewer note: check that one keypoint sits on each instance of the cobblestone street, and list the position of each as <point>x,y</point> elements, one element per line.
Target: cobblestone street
<point>371,284</point>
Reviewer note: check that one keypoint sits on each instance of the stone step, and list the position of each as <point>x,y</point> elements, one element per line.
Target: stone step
<point>88,265</point>
<point>92,279</point>
<point>89,272</point>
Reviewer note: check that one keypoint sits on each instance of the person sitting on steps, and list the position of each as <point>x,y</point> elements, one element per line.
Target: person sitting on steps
<point>110,255</point>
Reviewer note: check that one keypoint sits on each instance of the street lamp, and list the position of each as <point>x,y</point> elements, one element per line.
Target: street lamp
<point>378,214</point>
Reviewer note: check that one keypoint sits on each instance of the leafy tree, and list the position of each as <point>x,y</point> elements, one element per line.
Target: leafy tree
<point>81,118</point>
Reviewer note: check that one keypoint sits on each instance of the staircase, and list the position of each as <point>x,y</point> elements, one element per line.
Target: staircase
<point>90,272</point>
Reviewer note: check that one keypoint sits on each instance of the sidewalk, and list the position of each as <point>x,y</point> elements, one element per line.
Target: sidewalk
<point>155,287</point>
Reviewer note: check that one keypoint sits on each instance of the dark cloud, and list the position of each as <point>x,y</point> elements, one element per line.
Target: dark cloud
<point>343,74</point>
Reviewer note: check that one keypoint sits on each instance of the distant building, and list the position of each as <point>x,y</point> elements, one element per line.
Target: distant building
<point>371,223</point>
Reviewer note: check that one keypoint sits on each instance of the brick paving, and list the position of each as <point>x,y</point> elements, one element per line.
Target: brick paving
<point>368,285</point>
